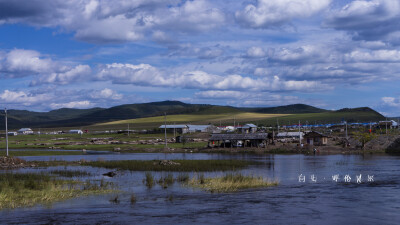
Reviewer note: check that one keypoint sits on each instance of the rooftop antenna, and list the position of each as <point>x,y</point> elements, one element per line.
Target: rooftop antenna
<point>5,110</point>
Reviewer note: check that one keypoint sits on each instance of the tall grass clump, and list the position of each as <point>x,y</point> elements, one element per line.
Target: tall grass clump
<point>166,181</point>
<point>149,179</point>
<point>183,178</point>
<point>28,189</point>
<point>230,182</point>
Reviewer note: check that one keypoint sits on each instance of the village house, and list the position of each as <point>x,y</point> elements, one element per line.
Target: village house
<point>248,128</point>
<point>289,136</point>
<point>240,140</point>
<point>179,128</point>
<point>316,138</point>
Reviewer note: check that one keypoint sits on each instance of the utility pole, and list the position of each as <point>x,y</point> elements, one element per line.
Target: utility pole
<point>128,129</point>
<point>346,131</point>
<point>386,126</point>
<point>299,133</point>
<point>277,123</point>
<point>5,110</point>
<point>165,129</point>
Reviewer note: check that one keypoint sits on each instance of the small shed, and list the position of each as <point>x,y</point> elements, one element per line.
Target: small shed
<point>316,138</point>
<point>12,133</point>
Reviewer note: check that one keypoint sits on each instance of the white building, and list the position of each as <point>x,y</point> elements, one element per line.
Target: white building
<point>25,131</point>
<point>75,132</point>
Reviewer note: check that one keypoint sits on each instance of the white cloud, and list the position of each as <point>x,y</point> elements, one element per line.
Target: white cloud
<point>240,98</point>
<point>104,21</point>
<point>76,105</point>
<point>390,101</point>
<point>269,13</point>
<point>106,93</point>
<point>368,20</point>
<point>147,75</point>
<point>255,52</point>
<point>70,75</point>
<point>20,62</point>
<point>21,97</point>
<point>374,56</point>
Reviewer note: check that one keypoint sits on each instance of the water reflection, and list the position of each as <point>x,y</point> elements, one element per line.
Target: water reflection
<point>292,202</point>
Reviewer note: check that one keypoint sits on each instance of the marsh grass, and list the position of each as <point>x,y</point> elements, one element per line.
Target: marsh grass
<point>230,182</point>
<point>183,166</point>
<point>166,181</point>
<point>133,199</point>
<point>149,179</point>
<point>71,173</point>
<point>183,178</point>
<point>28,189</point>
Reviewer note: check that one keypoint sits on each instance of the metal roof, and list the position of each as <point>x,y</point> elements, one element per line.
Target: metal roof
<point>25,129</point>
<point>173,126</point>
<point>255,136</point>
<point>198,127</point>
<point>249,125</point>
<point>289,134</point>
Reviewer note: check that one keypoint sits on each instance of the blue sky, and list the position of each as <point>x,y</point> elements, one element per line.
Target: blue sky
<point>251,53</point>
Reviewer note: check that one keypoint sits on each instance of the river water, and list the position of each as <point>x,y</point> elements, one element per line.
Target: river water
<point>374,199</point>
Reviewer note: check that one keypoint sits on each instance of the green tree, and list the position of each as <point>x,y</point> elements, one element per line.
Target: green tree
<point>363,137</point>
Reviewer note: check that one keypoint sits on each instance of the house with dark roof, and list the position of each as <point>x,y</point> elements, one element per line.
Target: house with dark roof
<point>316,138</point>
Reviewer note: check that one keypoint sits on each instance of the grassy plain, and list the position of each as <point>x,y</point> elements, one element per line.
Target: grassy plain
<point>153,122</point>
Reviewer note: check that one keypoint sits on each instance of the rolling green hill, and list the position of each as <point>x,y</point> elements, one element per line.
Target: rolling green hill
<point>288,109</point>
<point>191,112</point>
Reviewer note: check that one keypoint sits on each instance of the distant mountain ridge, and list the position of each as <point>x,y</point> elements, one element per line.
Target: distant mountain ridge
<point>66,117</point>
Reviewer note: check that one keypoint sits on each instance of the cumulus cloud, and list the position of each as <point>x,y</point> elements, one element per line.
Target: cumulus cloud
<point>21,62</point>
<point>23,98</point>
<point>69,75</point>
<point>241,98</point>
<point>374,56</point>
<point>188,50</point>
<point>255,52</point>
<point>147,75</point>
<point>270,13</point>
<point>367,20</point>
<point>391,101</point>
<point>104,21</point>
<point>106,93</point>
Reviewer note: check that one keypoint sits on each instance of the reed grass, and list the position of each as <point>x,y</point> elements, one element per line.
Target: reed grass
<point>182,166</point>
<point>28,189</point>
<point>230,182</point>
<point>166,181</point>
<point>149,179</point>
